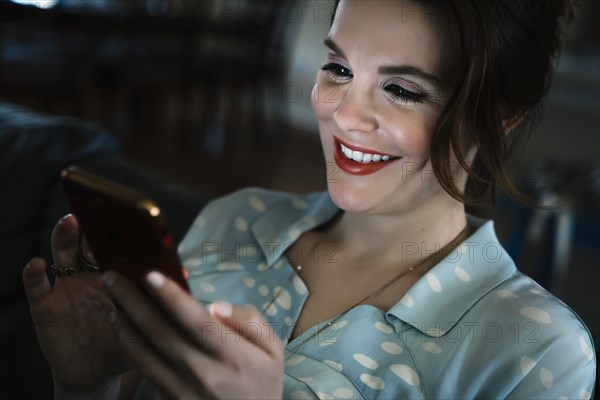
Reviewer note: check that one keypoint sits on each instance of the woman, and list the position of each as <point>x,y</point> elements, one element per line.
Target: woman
<point>382,287</point>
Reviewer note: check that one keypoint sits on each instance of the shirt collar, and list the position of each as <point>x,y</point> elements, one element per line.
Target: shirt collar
<point>283,223</point>
<point>437,301</point>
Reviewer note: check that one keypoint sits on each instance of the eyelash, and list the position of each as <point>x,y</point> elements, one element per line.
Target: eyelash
<point>401,95</point>
<point>337,73</point>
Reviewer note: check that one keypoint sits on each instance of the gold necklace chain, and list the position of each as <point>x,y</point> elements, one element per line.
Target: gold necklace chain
<point>437,256</point>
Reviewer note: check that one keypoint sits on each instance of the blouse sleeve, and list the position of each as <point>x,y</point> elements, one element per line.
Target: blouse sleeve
<point>565,370</point>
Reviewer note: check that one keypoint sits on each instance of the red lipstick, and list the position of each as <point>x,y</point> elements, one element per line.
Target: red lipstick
<point>355,167</point>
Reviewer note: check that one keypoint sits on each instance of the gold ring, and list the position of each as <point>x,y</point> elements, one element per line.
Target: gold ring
<point>62,272</point>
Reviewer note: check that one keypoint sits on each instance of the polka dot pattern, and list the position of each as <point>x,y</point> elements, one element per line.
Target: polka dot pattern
<point>241,224</point>
<point>263,290</point>
<point>406,373</point>
<point>434,282</point>
<point>526,365</point>
<point>334,365</point>
<point>392,348</point>
<point>431,347</point>
<point>546,378</point>
<point>538,292</point>
<point>262,266</point>
<point>506,294</point>
<point>270,309</point>
<point>207,287</point>
<point>383,328</point>
<point>284,299</point>
<point>366,361</point>
<point>371,381</point>
<point>537,314</point>
<point>230,266</point>
<point>299,204</point>
<point>375,354</point>
<point>299,286</point>
<point>200,222</point>
<point>462,274</point>
<point>294,234</point>
<point>343,393</point>
<point>249,252</point>
<point>324,396</point>
<point>408,301</point>
<point>340,324</point>
<point>310,221</point>
<point>257,204</point>
<point>586,348</point>
<point>294,360</point>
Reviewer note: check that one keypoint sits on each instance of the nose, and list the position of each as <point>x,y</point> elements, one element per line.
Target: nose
<point>356,111</point>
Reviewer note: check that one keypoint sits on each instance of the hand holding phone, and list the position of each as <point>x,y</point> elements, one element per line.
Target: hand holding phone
<point>126,231</point>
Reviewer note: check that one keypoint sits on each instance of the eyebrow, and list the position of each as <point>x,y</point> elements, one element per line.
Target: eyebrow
<point>390,69</point>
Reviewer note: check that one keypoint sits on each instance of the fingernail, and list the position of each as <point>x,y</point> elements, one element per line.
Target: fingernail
<point>90,257</point>
<point>155,279</point>
<point>66,217</point>
<point>221,308</point>
<point>109,278</point>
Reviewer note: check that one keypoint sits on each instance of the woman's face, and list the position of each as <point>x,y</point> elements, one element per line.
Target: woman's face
<point>388,70</point>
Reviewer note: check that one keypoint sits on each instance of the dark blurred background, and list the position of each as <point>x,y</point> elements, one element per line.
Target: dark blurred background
<point>215,95</point>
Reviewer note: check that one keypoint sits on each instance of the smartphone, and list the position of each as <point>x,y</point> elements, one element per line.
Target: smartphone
<point>125,230</point>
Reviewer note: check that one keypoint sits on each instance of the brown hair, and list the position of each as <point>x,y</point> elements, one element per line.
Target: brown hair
<point>507,53</point>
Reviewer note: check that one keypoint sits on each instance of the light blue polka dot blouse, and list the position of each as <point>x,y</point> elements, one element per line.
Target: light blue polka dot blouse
<point>472,327</point>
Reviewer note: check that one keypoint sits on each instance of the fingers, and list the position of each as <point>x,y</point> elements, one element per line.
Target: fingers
<point>191,316</point>
<point>156,345</point>
<point>225,323</point>
<point>86,251</point>
<point>64,242</point>
<point>146,360</point>
<point>150,321</point>
<point>250,324</point>
<point>36,283</point>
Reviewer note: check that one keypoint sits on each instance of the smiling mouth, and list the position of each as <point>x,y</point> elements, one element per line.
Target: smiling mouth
<point>356,161</point>
<point>363,157</point>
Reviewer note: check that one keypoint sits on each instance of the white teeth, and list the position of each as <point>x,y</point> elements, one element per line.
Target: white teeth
<point>363,157</point>
<point>347,152</point>
<point>357,156</point>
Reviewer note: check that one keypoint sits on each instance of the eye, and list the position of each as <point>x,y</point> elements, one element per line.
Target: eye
<point>402,95</point>
<point>337,72</point>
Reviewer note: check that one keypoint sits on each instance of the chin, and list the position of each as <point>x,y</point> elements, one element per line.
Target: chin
<point>350,199</point>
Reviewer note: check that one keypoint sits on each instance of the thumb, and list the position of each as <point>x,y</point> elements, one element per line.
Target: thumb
<point>239,318</point>
<point>36,283</point>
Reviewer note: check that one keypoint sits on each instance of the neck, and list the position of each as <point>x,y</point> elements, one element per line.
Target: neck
<point>397,240</point>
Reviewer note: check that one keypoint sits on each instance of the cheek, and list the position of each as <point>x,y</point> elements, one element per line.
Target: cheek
<point>324,99</point>
<point>412,134</point>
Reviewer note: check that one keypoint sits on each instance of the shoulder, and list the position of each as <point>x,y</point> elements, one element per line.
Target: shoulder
<point>543,343</point>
